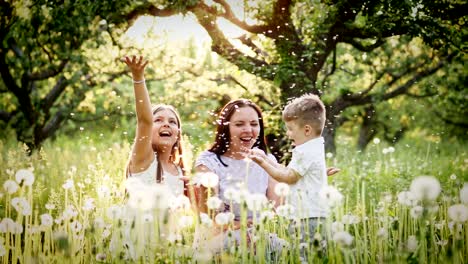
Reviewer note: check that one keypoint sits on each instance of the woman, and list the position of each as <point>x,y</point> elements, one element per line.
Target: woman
<point>239,127</point>
<point>156,155</point>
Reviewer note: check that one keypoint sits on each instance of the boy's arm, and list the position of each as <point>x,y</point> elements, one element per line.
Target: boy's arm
<point>274,169</point>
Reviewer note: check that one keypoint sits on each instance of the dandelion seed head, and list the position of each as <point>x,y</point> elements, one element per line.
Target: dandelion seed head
<point>69,184</point>
<point>282,189</point>
<point>464,193</point>
<point>10,186</point>
<point>224,218</point>
<point>231,194</point>
<point>24,176</point>
<point>101,257</point>
<point>206,220</point>
<point>46,220</point>
<point>213,203</point>
<point>21,205</point>
<point>286,211</point>
<point>458,213</point>
<point>376,141</point>
<point>406,198</point>
<point>330,196</point>
<point>425,188</point>
<point>257,201</point>
<point>417,211</point>
<point>412,244</point>
<point>185,221</point>
<point>208,179</point>
<point>343,238</point>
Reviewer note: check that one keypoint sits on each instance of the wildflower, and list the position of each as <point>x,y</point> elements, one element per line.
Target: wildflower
<point>21,205</point>
<point>412,244</point>
<point>376,141</point>
<point>205,219</point>
<point>89,204</point>
<point>464,193</point>
<point>286,211</point>
<point>458,213</point>
<point>24,176</point>
<point>68,184</point>
<point>209,179</point>
<point>337,227</point>
<point>256,201</point>
<point>382,233</point>
<point>185,221</point>
<point>406,198</point>
<point>425,188</point>
<point>282,189</point>
<point>416,211</point>
<point>50,206</point>
<point>101,257</point>
<point>10,186</point>
<point>46,220</point>
<point>76,226</point>
<point>213,203</point>
<point>224,218</point>
<point>343,238</point>
<point>231,194</point>
<point>330,196</point>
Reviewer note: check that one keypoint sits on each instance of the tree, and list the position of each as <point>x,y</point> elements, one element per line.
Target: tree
<point>45,72</point>
<point>299,45</point>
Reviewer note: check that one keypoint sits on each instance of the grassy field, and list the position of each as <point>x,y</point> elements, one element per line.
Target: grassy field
<point>403,203</point>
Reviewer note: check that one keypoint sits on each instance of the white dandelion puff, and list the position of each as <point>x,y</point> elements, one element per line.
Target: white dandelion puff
<point>406,198</point>
<point>209,179</point>
<point>458,213</point>
<point>205,219</point>
<point>10,186</point>
<point>286,211</point>
<point>425,188</point>
<point>412,244</point>
<point>224,218</point>
<point>21,205</point>
<point>257,201</point>
<point>282,189</point>
<point>464,193</point>
<point>24,176</point>
<point>343,238</point>
<point>47,220</point>
<point>69,184</point>
<point>330,196</point>
<point>376,141</point>
<point>416,211</point>
<point>231,194</point>
<point>213,203</point>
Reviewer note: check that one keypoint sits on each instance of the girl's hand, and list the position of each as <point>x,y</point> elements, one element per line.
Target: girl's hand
<point>332,170</point>
<point>137,66</point>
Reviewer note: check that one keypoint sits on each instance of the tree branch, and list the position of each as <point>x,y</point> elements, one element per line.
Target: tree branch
<point>54,94</point>
<point>47,73</point>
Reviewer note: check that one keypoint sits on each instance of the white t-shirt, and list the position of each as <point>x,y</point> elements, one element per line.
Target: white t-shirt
<point>308,159</point>
<point>173,182</point>
<point>236,174</point>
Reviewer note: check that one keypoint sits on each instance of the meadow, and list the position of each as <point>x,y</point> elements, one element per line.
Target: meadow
<point>406,203</point>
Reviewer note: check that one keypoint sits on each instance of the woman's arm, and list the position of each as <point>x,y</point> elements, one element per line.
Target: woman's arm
<point>142,151</point>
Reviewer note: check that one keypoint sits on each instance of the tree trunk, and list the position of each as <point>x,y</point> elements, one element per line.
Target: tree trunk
<point>368,127</point>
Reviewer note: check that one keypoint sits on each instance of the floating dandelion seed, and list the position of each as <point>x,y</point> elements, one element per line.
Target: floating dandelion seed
<point>425,188</point>
<point>24,176</point>
<point>10,186</point>
<point>282,189</point>
<point>458,213</point>
<point>213,203</point>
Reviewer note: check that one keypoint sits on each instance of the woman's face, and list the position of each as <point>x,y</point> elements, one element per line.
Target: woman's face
<point>244,128</point>
<point>165,129</point>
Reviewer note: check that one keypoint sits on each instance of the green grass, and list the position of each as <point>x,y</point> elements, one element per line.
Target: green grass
<point>107,230</point>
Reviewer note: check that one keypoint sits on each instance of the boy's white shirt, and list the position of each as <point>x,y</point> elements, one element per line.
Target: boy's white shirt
<point>308,160</point>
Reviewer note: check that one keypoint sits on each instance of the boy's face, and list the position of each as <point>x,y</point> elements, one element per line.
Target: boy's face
<point>297,133</point>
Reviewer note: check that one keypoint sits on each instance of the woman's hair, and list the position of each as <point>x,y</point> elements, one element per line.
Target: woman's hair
<point>223,135</point>
<point>176,151</point>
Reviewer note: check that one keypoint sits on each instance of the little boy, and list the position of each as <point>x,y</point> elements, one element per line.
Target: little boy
<point>306,173</point>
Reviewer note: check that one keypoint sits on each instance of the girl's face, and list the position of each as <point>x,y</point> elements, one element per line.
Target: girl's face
<point>165,129</point>
<point>244,128</point>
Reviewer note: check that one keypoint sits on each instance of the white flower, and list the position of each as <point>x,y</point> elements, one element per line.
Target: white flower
<point>10,186</point>
<point>453,177</point>
<point>330,196</point>
<point>181,202</point>
<point>412,244</point>
<point>343,238</point>
<point>76,226</point>
<point>231,194</point>
<point>406,198</point>
<point>464,193</point>
<point>267,215</point>
<point>205,219</point>
<point>185,221</point>
<point>458,213</point>
<point>21,205</point>
<point>213,203</point>
<point>50,206</point>
<point>47,220</point>
<point>282,189</point>
<point>68,184</point>
<point>101,257</point>
<point>69,213</point>
<point>376,141</point>
<point>350,219</point>
<point>382,233</point>
<point>425,188</point>
<point>256,201</point>
<point>224,218</point>
<point>209,179</point>
<point>25,176</point>
<point>391,149</point>
<point>89,204</point>
<point>416,211</point>
<point>337,227</point>
<point>384,151</point>
<point>286,211</point>
<point>7,225</point>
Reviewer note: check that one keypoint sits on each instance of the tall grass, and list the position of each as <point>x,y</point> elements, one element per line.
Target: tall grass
<point>76,210</point>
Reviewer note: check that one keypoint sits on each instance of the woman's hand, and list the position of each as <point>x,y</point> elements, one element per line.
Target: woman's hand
<point>332,171</point>
<point>137,66</point>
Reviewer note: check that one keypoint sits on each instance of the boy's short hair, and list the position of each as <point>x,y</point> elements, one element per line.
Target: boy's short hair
<point>306,110</point>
